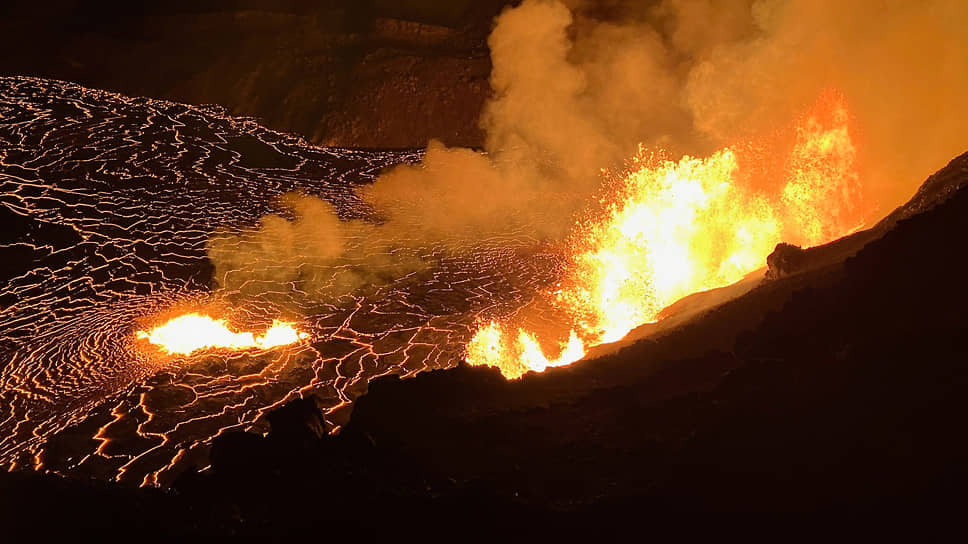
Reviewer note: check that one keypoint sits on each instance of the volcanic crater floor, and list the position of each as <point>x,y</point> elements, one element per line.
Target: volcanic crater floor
<point>108,203</point>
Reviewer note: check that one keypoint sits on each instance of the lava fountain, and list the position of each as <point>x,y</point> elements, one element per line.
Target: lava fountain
<point>672,228</point>
<point>188,333</point>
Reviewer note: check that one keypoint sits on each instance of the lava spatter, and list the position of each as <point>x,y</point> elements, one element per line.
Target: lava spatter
<point>673,228</point>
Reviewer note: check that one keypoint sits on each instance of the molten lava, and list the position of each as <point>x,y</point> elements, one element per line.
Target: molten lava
<point>193,332</point>
<point>672,228</point>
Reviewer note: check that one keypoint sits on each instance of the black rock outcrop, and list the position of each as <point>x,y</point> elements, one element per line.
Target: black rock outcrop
<point>785,259</point>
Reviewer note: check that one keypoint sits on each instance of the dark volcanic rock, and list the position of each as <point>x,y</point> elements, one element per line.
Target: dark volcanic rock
<point>785,259</point>
<point>345,73</point>
<point>299,419</point>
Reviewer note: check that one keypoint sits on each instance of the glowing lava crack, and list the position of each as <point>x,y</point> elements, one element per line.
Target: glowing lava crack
<point>118,201</point>
<point>193,332</point>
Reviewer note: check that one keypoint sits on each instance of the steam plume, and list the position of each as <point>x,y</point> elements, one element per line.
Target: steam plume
<point>578,84</point>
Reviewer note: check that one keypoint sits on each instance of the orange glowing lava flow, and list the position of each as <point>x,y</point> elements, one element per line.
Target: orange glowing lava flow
<point>673,228</point>
<point>193,332</point>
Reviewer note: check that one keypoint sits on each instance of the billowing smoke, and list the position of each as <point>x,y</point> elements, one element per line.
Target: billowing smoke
<point>902,66</point>
<point>579,84</point>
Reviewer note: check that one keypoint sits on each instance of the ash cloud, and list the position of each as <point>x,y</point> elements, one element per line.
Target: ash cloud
<point>579,84</point>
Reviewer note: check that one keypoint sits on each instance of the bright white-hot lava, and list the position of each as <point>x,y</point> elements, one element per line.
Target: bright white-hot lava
<point>193,332</point>
<point>672,228</point>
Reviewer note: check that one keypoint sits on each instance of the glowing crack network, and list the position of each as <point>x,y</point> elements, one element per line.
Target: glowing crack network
<point>108,202</point>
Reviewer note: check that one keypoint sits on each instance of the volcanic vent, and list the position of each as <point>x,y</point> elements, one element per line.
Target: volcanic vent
<point>119,202</point>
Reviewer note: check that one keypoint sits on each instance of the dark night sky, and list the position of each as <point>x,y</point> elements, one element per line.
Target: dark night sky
<point>444,12</point>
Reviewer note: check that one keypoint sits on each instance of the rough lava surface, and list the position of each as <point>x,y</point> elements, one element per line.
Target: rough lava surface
<point>108,203</point>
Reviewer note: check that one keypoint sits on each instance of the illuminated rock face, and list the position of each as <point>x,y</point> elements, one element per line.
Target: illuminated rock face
<point>111,201</point>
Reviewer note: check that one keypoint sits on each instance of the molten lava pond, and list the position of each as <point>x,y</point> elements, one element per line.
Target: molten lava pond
<point>109,203</point>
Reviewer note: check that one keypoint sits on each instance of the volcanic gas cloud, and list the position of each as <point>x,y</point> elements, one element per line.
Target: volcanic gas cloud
<point>671,228</point>
<point>663,147</point>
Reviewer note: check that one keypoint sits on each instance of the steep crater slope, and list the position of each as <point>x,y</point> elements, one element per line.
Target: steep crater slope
<point>841,385</point>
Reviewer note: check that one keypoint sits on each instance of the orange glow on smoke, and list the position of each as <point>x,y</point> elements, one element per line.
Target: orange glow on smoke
<point>672,228</point>
<point>822,196</point>
<point>193,332</point>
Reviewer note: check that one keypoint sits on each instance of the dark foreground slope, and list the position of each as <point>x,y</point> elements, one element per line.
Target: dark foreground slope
<point>847,398</point>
